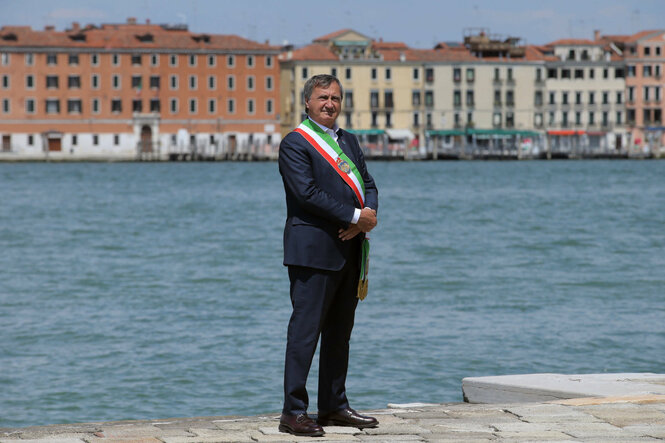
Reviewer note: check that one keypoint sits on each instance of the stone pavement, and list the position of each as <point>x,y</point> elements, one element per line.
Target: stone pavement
<point>614,419</point>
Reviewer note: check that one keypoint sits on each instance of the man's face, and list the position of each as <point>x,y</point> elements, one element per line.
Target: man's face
<point>325,104</point>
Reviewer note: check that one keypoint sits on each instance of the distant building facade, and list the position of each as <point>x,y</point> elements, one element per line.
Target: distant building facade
<point>128,90</point>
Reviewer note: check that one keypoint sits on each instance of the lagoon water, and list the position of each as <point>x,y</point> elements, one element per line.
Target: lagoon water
<point>138,290</point>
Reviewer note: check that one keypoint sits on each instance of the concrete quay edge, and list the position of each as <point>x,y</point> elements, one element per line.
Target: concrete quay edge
<point>622,419</point>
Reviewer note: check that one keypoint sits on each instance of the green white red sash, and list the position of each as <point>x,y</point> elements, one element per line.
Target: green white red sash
<point>333,154</point>
<point>347,170</point>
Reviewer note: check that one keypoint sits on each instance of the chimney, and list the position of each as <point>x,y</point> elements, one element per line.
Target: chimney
<point>596,34</point>
<point>147,21</point>
<point>76,27</point>
<point>49,28</point>
<point>131,21</point>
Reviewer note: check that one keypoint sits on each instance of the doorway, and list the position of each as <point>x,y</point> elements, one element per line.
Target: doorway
<point>146,139</point>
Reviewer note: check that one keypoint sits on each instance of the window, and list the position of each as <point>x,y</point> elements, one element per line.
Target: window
<point>606,73</point>
<point>348,122</point>
<point>212,106</point>
<point>496,119</point>
<point>538,120</point>
<point>645,94</point>
<point>457,98</point>
<point>348,99</point>
<point>578,98</point>
<point>230,82</point>
<point>5,82</point>
<point>115,81</point>
<point>5,106</point>
<point>269,62</point>
<point>250,82</point>
<point>136,60</point>
<point>552,100</point>
<point>606,118</point>
<point>230,61</point>
<point>173,60</point>
<point>374,99</point>
<point>564,119</point>
<point>73,81</point>
<point>212,82</point>
<point>73,59</point>
<point>52,82</point>
<point>578,118</point>
<point>429,75</point>
<point>269,106</point>
<point>389,123</point>
<point>250,61</point>
<point>347,74</point>
<point>606,97</point>
<point>592,116</point>
<point>388,74</point>
<point>304,75</point>
<point>497,75</point>
<point>95,106</point>
<point>564,98</point>
<point>74,106</point>
<point>457,75</point>
<point>647,50</point>
<point>631,93</point>
<point>373,74</point>
<point>94,81</point>
<point>136,82</point>
<point>374,119</point>
<point>416,119</point>
<point>137,105</point>
<point>510,74</point>
<point>192,61</point>
<point>552,73</point>
<point>565,73</point>
<point>429,98</point>
<point>193,105</point>
<point>231,106</point>
<point>619,97</point>
<point>416,73</point>
<point>592,98</point>
<point>333,72</point>
<point>388,99</point>
<point>29,106</point>
<point>510,120</point>
<point>155,105</point>
<point>154,60</point>
<point>269,83</point>
<point>415,98</point>
<point>193,82</point>
<point>51,59</point>
<point>538,98</point>
<point>658,50</point>
<point>250,106</point>
<point>116,139</point>
<point>29,59</point>
<point>646,71</point>
<point>52,106</point>
<point>539,77</point>
<point>619,118</point>
<point>173,105</point>
<point>470,74</point>
<point>618,73</point>
<point>116,105</point>
<point>656,71</point>
<point>497,97</point>
<point>552,118</point>
<point>212,60</point>
<point>31,140</point>
<point>592,73</point>
<point>154,82</point>
<point>4,58</point>
<point>510,97</point>
<point>95,139</point>
<point>469,98</point>
<point>631,70</point>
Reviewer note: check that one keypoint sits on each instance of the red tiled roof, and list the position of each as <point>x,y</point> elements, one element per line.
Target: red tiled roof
<point>124,36</point>
<point>332,35</point>
<point>385,46</point>
<point>313,52</point>
<point>574,42</point>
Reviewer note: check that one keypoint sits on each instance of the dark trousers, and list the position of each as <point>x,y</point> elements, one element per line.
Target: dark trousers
<point>324,304</point>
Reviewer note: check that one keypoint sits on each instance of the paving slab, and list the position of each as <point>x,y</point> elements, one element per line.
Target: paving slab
<point>547,387</point>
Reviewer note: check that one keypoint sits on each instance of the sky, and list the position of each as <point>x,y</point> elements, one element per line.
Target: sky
<point>418,23</point>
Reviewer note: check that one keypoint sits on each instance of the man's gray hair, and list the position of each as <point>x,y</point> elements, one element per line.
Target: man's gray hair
<point>320,81</point>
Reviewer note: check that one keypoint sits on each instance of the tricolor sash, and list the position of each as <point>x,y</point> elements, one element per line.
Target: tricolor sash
<point>325,145</point>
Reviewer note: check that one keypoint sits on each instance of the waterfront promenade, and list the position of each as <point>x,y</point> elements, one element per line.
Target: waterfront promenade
<point>621,419</point>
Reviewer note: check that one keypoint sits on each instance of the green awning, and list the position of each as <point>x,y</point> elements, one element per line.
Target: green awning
<point>445,132</point>
<point>366,131</point>
<point>501,132</point>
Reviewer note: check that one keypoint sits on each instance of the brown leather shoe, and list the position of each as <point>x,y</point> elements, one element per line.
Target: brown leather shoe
<point>300,425</point>
<point>347,417</point>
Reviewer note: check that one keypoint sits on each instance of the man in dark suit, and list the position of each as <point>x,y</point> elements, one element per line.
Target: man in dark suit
<point>331,203</point>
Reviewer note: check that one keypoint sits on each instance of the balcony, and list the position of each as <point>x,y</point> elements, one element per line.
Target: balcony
<point>510,103</point>
<point>497,103</point>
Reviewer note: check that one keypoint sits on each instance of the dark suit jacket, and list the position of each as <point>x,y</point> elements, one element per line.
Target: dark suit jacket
<point>319,203</point>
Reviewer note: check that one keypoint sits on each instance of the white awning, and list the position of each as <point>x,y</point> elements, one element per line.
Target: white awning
<point>400,134</point>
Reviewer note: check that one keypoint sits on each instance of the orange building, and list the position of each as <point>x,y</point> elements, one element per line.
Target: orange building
<point>133,90</point>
